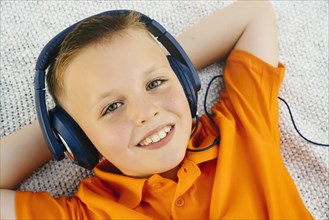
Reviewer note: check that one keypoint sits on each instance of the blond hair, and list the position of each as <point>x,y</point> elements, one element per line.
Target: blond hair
<point>93,30</point>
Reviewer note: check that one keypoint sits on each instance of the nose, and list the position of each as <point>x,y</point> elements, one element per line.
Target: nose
<point>144,109</point>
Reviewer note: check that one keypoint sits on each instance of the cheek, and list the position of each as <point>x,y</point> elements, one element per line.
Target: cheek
<point>176,100</point>
<point>108,138</point>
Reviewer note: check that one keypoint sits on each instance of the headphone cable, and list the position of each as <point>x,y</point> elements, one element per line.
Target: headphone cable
<point>206,96</point>
<point>300,134</point>
<point>287,105</point>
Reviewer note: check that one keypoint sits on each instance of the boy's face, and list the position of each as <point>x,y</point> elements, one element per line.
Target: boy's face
<point>127,99</point>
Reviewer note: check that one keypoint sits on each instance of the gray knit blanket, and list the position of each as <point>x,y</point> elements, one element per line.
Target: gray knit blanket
<point>26,26</point>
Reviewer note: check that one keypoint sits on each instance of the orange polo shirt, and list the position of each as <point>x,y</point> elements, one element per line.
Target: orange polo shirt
<point>242,177</point>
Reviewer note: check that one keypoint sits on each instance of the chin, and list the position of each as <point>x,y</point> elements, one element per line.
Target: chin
<point>173,160</point>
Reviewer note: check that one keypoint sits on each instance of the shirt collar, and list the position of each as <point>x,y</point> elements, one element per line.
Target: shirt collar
<point>204,144</point>
<point>127,189</point>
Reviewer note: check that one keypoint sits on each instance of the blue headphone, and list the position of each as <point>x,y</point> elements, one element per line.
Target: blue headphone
<point>62,133</point>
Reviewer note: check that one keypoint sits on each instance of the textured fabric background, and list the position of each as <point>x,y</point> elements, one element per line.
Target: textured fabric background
<point>26,26</point>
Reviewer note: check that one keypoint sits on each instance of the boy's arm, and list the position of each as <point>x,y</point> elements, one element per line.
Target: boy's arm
<point>7,204</point>
<point>21,153</point>
<point>244,25</point>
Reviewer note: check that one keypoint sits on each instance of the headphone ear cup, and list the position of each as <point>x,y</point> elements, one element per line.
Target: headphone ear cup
<point>184,76</point>
<point>78,146</point>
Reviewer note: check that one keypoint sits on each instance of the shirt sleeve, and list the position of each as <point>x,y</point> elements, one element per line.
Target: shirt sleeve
<point>250,172</point>
<point>41,205</point>
<point>251,95</point>
<point>84,204</point>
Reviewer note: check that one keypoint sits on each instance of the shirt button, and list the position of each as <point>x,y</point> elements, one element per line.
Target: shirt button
<point>157,185</point>
<point>180,202</point>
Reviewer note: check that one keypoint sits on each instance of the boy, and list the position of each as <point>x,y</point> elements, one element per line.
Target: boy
<point>242,177</point>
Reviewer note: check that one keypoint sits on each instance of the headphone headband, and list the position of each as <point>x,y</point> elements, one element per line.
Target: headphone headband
<point>51,49</point>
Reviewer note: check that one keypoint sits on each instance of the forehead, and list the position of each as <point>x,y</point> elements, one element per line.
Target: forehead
<point>128,45</point>
<point>123,58</point>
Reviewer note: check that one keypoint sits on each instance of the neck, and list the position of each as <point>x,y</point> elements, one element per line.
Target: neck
<point>171,174</point>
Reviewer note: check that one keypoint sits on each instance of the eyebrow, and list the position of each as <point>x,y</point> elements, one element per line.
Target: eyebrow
<point>109,92</point>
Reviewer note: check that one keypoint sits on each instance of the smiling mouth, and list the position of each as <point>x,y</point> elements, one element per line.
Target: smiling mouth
<point>157,137</point>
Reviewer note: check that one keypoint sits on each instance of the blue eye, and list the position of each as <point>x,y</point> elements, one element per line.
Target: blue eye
<point>155,83</point>
<point>112,107</point>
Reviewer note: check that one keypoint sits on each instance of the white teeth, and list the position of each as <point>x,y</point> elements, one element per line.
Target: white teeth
<point>162,134</point>
<point>156,137</point>
<point>148,140</point>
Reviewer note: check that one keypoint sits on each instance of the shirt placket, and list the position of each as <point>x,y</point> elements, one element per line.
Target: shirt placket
<point>187,175</point>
